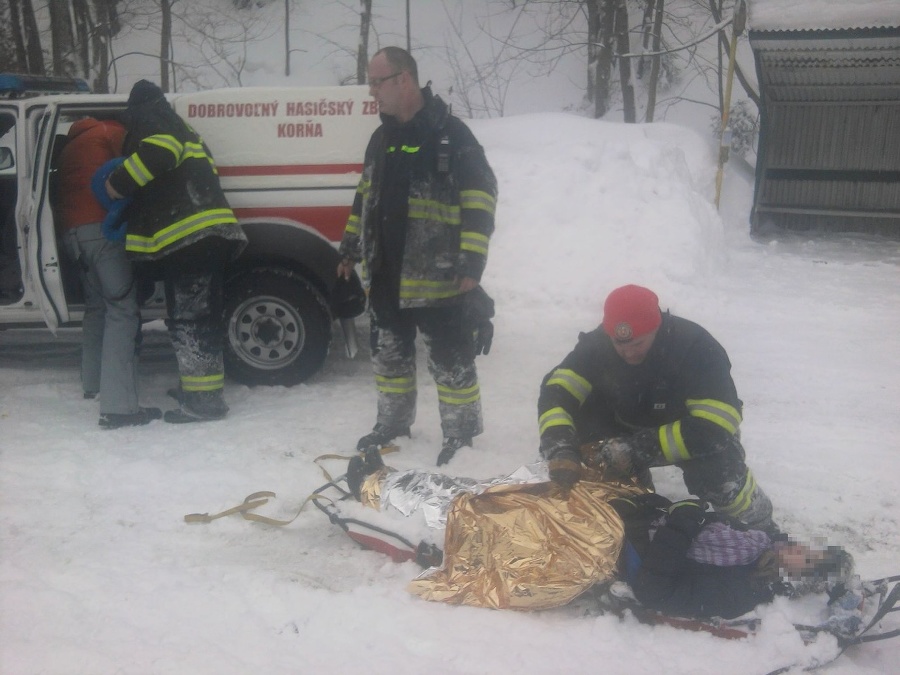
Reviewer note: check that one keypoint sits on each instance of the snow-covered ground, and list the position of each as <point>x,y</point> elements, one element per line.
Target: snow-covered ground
<point>100,574</point>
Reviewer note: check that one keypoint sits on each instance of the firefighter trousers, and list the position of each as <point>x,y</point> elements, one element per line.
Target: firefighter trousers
<point>194,283</point>
<point>725,481</point>
<point>450,352</point>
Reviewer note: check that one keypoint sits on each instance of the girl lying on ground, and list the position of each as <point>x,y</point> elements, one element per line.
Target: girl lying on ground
<point>521,542</point>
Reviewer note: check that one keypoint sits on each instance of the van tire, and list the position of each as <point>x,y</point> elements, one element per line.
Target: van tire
<point>278,328</point>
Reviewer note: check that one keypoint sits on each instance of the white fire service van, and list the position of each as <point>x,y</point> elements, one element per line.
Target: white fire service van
<point>289,160</point>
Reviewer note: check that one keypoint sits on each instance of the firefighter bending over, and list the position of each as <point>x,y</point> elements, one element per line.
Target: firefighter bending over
<point>647,389</point>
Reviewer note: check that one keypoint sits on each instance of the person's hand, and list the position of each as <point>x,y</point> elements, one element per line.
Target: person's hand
<point>466,284</point>
<point>565,468</point>
<point>614,458</point>
<point>111,191</point>
<point>345,268</point>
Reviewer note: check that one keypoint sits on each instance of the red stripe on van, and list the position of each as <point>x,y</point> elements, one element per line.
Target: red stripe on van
<point>289,169</point>
<point>328,220</point>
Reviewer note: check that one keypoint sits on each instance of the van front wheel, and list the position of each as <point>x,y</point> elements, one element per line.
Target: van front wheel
<point>278,328</point>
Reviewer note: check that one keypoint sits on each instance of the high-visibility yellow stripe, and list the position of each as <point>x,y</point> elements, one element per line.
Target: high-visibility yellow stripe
<point>672,442</point>
<point>408,149</point>
<point>395,385</point>
<point>138,172</point>
<point>458,396</point>
<point>717,412</point>
<point>167,142</point>
<point>572,382</point>
<point>179,230</point>
<point>434,211</point>
<point>744,498</point>
<point>474,241</point>
<point>478,199</point>
<point>202,383</point>
<point>181,151</point>
<point>555,417</point>
<point>194,151</point>
<point>421,288</point>
<point>353,225</point>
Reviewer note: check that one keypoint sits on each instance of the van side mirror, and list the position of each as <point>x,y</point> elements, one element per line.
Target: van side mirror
<point>7,161</point>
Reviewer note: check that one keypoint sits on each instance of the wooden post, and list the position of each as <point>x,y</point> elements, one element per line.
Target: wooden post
<point>737,27</point>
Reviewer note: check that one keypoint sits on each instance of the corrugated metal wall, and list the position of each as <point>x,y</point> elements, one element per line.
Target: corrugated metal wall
<point>829,153</point>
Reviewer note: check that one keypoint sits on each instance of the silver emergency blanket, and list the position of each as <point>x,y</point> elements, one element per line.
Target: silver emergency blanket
<point>432,493</point>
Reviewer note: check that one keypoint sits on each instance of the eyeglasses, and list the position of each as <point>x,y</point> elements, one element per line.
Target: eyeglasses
<point>378,81</point>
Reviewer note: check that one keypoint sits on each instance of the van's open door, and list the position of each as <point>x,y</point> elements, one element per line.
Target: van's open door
<point>43,271</point>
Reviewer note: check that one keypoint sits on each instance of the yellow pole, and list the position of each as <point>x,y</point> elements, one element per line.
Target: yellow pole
<point>737,25</point>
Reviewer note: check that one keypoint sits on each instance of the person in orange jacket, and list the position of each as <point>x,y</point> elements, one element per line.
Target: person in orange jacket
<point>111,323</point>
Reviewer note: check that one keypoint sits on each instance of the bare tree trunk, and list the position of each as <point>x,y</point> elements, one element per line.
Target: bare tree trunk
<point>287,38</point>
<point>601,15</point>
<point>81,14</point>
<point>655,65</point>
<point>623,46</point>
<point>15,17</point>
<point>716,8</point>
<point>646,35</point>
<point>36,64</point>
<point>113,14</point>
<point>165,45</point>
<point>105,27</point>
<point>63,41</point>
<point>362,52</point>
<point>408,30</point>
<point>605,58</point>
<point>593,48</point>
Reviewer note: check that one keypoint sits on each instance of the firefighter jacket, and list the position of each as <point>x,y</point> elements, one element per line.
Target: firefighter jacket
<point>679,404</point>
<point>89,145</point>
<point>172,178</point>
<point>424,209</point>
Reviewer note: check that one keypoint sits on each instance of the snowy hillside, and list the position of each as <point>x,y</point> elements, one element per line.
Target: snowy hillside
<point>100,574</point>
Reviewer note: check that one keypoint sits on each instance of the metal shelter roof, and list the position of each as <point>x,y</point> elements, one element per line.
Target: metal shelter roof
<point>829,151</point>
<point>829,65</point>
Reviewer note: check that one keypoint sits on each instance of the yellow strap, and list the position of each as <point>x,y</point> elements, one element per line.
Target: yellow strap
<point>251,502</point>
<point>259,498</point>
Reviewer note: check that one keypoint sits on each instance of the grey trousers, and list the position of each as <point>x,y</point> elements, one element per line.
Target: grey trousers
<point>111,323</point>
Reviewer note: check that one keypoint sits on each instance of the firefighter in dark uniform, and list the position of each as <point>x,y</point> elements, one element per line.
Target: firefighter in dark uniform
<point>420,225</point>
<point>650,389</point>
<point>181,229</point>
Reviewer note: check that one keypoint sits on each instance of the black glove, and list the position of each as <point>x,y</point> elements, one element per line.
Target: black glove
<point>484,334</point>
<point>478,310</point>
<point>687,517</point>
<point>565,468</point>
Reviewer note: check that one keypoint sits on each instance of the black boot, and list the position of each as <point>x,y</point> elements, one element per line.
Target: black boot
<point>139,418</point>
<point>199,406</point>
<point>449,448</point>
<point>380,436</point>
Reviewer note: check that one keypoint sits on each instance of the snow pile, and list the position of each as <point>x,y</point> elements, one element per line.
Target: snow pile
<point>99,573</point>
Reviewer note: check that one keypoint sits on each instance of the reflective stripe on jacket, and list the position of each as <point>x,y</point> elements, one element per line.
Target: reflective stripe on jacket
<point>177,198</point>
<point>449,206</point>
<point>683,393</point>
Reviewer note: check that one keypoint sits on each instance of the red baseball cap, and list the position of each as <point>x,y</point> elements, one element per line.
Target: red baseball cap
<point>630,312</point>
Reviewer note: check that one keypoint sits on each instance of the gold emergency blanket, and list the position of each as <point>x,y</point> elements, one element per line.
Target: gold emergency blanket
<point>526,546</point>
